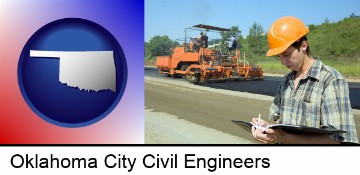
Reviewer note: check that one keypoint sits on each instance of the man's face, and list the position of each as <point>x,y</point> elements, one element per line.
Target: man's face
<point>292,58</point>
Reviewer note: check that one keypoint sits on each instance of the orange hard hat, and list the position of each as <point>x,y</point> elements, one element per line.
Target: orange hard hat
<point>283,33</point>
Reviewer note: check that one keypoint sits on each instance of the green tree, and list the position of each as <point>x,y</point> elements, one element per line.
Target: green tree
<point>327,21</point>
<point>145,46</point>
<point>312,27</point>
<point>158,46</point>
<point>352,15</point>
<point>233,31</point>
<point>256,41</point>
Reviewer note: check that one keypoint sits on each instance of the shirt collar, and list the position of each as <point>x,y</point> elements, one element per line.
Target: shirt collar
<point>313,72</point>
<point>315,69</point>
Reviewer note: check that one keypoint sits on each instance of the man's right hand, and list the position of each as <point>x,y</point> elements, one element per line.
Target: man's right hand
<point>266,136</point>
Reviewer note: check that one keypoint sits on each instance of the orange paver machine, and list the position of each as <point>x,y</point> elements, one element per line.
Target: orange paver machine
<point>198,63</point>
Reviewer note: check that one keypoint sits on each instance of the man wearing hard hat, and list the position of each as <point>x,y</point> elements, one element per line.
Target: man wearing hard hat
<point>312,94</point>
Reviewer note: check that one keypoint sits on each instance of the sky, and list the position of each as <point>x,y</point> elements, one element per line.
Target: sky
<point>171,17</point>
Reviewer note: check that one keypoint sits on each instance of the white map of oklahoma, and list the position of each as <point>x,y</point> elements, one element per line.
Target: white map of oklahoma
<point>86,70</point>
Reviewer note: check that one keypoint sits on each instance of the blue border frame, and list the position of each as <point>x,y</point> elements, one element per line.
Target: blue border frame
<point>121,89</point>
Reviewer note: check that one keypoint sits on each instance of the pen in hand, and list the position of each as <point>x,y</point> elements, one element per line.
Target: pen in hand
<point>264,129</point>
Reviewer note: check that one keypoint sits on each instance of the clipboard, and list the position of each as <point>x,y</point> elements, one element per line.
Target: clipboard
<point>296,129</point>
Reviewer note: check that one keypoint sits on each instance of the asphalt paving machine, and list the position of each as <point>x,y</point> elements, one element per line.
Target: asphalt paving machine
<point>195,62</point>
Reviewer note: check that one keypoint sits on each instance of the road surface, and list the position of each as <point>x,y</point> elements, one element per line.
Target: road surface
<point>268,86</point>
<point>180,112</point>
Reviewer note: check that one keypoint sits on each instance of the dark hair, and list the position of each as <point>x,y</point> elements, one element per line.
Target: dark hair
<point>297,44</point>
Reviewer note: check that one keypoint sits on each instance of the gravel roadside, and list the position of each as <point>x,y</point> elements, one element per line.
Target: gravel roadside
<point>162,128</point>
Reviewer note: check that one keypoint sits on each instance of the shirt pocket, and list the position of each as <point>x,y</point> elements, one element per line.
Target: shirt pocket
<point>310,115</point>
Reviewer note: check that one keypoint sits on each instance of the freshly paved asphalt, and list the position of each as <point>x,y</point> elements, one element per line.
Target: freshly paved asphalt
<point>267,86</point>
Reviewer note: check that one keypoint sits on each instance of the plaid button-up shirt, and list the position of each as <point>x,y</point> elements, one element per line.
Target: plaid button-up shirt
<point>321,99</point>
